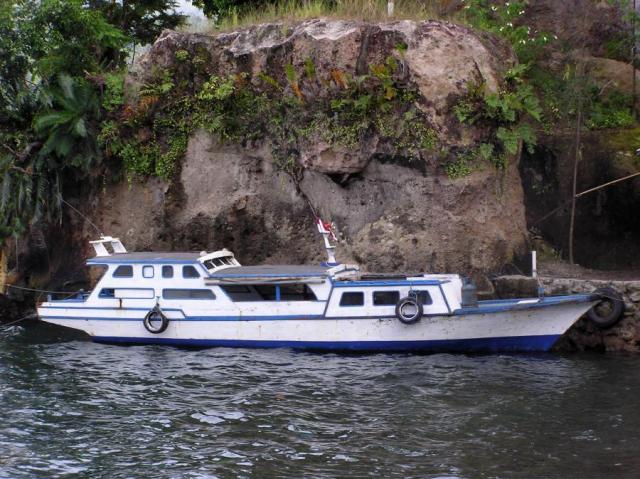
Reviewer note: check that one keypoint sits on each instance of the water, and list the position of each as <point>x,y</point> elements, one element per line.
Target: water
<point>71,408</point>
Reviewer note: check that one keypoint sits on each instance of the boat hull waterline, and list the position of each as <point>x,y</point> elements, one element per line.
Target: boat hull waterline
<point>493,327</point>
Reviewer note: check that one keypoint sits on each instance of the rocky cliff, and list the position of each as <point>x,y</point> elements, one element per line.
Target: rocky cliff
<point>392,212</point>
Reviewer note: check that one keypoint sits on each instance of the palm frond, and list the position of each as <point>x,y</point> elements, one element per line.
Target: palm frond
<point>47,121</point>
<point>80,127</point>
<point>67,85</point>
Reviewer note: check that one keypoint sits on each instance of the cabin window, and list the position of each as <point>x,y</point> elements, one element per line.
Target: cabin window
<point>385,298</point>
<point>123,271</point>
<point>352,299</point>
<point>217,262</point>
<point>236,288</point>
<point>107,293</point>
<point>190,272</point>
<point>188,294</point>
<point>147,271</point>
<point>424,297</point>
<point>240,292</point>
<point>296,292</point>
<point>167,271</point>
<point>267,292</point>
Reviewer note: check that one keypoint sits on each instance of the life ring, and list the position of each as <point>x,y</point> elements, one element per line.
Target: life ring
<point>608,311</point>
<point>152,318</point>
<point>409,310</point>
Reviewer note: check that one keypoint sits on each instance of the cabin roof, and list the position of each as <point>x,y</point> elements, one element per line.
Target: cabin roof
<point>146,257</point>
<point>239,272</point>
<point>270,271</point>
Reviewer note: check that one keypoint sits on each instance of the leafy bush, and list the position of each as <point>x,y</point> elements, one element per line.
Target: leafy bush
<point>507,114</point>
<point>504,19</point>
<point>242,109</point>
<point>67,127</point>
<point>611,111</point>
<point>113,90</point>
<point>52,55</point>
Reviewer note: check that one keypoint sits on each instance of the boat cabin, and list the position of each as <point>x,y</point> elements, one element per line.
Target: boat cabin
<point>215,284</point>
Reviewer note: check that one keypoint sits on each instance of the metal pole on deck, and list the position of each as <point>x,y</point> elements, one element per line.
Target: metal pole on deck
<point>534,264</point>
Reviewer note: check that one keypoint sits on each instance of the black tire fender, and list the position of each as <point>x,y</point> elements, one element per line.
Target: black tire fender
<point>609,309</point>
<point>153,317</point>
<point>409,310</point>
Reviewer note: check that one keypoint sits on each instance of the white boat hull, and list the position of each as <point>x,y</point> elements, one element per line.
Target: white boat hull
<point>534,328</point>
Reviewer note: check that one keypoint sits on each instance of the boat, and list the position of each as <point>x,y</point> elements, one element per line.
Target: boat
<point>211,300</point>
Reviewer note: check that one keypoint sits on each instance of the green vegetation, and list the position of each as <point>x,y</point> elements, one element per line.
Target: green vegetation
<point>287,113</point>
<point>610,111</point>
<point>141,20</point>
<point>533,96</point>
<point>510,114</point>
<point>505,20</point>
<point>51,54</point>
<point>235,14</point>
<point>66,117</point>
<point>61,77</point>
<point>507,116</point>
<point>560,94</point>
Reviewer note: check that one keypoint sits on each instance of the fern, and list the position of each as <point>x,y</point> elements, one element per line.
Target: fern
<point>309,68</point>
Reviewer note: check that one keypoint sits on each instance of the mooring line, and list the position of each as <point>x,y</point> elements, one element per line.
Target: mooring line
<point>6,326</point>
<point>36,290</point>
<point>84,217</point>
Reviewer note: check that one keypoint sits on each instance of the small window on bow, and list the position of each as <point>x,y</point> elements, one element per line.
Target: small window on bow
<point>123,271</point>
<point>167,271</point>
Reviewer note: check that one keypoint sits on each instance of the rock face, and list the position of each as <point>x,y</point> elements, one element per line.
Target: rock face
<point>587,23</point>
<point>391,214</point>
<point>440,58</point>
<point>391,218</point>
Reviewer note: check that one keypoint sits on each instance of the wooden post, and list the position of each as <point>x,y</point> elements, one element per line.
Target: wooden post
<point>390,8</point>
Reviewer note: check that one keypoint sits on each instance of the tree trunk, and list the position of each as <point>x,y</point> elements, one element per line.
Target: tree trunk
<point>576,160</point>
<point>634,19</point>
<point>3,270</point>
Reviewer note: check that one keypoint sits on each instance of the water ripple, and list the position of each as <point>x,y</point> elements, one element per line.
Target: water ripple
<point>71,408</point>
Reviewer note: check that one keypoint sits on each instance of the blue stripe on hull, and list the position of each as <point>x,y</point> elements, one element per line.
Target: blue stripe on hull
<point>503,344</point>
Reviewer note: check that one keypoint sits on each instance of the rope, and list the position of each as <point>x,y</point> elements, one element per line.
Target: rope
<point>582,193</point>
<point>6,325</point>
<point>81,215</point>
<point>608,184</point>
<point>35,290</point>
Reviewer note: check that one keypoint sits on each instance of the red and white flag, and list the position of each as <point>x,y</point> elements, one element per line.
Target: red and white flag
<point>324,227</point>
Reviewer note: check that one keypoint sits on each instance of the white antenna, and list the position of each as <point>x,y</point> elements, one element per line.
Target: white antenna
<point>326,230</point>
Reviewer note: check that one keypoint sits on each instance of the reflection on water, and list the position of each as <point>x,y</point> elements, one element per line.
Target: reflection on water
<point>71,408</point>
